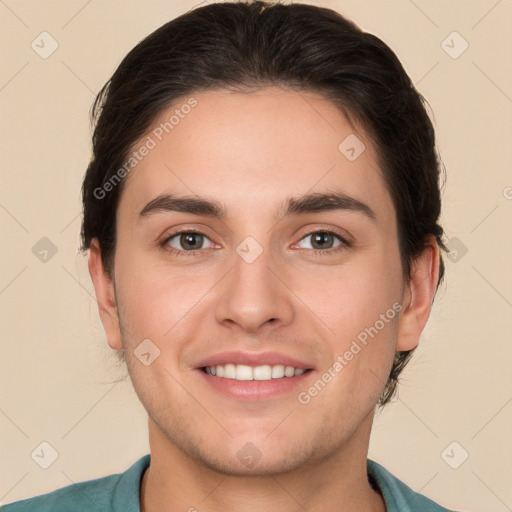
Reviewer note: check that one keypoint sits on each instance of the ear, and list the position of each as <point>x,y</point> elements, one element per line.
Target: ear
<point>418,296</point>
<point>105,296</point>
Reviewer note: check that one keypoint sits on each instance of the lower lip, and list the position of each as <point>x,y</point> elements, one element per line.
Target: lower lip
<point>253,390</point>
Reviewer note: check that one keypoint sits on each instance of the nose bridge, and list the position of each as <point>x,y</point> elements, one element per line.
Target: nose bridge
<point>251,274</point>
<point>252,295</point>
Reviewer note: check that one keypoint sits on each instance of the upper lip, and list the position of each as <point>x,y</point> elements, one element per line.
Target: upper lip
<point>253,359</point>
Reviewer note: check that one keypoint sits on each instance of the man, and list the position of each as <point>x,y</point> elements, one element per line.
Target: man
<point>261,213</point>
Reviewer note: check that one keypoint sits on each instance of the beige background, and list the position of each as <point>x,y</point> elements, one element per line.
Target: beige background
<point>57,372</point>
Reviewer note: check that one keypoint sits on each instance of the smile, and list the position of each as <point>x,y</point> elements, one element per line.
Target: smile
<point>245,372</point>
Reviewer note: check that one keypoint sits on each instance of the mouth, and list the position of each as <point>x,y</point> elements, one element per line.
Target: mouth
<point>245,376</point>
<point>244,372</point>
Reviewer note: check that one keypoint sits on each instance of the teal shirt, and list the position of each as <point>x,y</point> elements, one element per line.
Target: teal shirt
<point>120,493</point>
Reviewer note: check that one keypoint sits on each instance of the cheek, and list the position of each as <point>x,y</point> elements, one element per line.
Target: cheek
<point>143,296</point>
<point>352,296</point>
<point>159,303</point>
<point>153,307</point>
<point>360,305</point>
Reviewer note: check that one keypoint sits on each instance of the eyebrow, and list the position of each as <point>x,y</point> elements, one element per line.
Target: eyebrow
<point>309,203</point>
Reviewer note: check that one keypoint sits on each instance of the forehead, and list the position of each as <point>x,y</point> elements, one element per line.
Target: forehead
<point>252,150</point>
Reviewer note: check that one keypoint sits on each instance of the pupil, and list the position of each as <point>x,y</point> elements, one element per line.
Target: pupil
<point>320,238</point>
<point>187,240</point>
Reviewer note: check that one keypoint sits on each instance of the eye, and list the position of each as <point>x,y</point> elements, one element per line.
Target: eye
<point>185,242</point>
<point>324,240</point>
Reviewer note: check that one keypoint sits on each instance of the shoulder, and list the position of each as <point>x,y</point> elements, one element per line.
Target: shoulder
<point>119,492</point>
<point>398,496</point>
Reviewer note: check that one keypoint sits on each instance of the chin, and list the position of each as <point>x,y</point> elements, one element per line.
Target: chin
<point>252,463</point>
<point>243,457</point>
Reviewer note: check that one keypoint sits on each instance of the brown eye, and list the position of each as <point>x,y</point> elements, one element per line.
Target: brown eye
<point>324,240</point>
<point>191,241</point>
<point>185,241</point>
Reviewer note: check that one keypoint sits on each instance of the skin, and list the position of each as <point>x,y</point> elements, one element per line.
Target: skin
<point>251,152</point>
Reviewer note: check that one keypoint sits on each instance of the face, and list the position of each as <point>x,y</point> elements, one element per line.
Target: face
<point>250,279</point>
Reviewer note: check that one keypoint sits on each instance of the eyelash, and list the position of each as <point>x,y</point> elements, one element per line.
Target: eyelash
<point>317,252</point>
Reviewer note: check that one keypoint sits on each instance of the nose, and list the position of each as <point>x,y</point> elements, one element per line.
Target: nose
<point>254,296</point>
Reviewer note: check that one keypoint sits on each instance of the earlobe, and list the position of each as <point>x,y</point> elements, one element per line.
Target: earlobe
<point>419,296</point>
<point>105,296</point>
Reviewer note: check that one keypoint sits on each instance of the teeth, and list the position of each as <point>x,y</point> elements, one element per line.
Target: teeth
<point>277,371</point>
<point>289,371</point>
<point>244,372</point>
<point>260,372</point>
<point>230,371</point>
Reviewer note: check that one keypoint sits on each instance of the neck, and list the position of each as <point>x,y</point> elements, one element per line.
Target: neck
<point>175,481</point>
